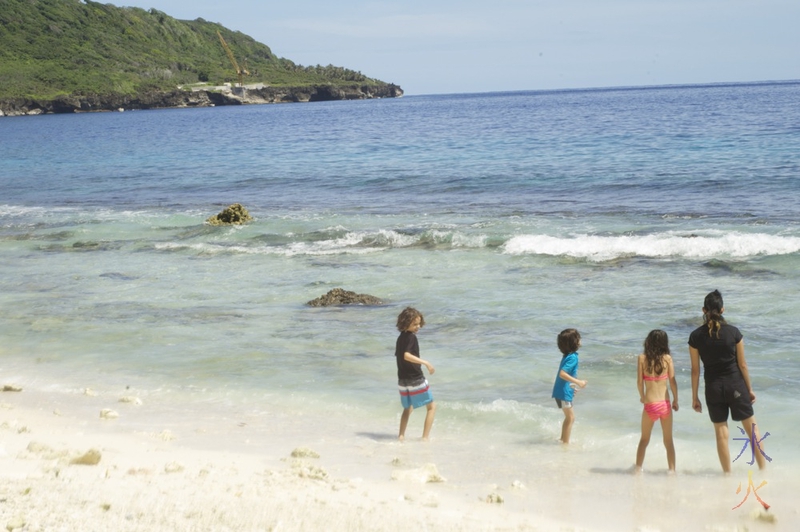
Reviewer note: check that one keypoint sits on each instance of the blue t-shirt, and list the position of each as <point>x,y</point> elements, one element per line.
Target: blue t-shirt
<point>562,389</point>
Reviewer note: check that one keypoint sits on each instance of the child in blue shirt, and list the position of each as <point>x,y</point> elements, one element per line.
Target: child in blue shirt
<point>569,340</point>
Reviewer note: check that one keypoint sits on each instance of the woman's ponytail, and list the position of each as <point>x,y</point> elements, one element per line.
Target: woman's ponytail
<point>713,312</point>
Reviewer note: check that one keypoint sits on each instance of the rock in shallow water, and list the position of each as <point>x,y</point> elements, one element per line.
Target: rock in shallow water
<point>339,296</point>
<point>234,214</point>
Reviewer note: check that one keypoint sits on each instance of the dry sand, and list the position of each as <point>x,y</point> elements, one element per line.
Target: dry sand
<point>62,472</point>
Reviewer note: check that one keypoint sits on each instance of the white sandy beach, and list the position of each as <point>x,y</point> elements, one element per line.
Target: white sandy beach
<point>203,478</point>
<point>151,481</point>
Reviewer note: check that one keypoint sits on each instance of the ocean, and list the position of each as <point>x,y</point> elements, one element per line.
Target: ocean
<point>503,217</point>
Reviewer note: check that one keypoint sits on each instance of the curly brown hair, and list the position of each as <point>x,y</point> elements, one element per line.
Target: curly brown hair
<point>406,317</point>
<point>568,341</point>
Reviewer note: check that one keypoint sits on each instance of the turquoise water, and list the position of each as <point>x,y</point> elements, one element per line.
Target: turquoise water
<point>504,218</point>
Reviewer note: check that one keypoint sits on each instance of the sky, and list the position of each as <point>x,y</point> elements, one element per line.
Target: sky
<point>472,46</point>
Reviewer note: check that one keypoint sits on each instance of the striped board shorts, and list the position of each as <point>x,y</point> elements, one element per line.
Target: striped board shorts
<point>415,395</point>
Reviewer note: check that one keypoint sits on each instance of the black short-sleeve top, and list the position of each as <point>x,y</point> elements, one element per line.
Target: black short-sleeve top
<point>407,343</point>
<point>717,351</point>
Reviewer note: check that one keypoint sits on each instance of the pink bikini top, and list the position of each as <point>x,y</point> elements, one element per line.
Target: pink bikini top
<point>661,378</point>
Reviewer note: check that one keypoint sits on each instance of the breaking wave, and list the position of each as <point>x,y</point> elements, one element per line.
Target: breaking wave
<point>661,245</point>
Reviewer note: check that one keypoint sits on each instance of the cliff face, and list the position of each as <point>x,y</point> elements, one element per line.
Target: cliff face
<point>180,98</point>
<point>321,93</point>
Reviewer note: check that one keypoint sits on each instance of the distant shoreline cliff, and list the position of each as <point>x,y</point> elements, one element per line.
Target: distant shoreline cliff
<point>197,98</point>
<point>65,56</point>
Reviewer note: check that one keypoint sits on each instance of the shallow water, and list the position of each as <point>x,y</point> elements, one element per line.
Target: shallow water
<point>504,218</point>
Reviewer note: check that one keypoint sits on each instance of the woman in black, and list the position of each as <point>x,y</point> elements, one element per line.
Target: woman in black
<point>720,346</point>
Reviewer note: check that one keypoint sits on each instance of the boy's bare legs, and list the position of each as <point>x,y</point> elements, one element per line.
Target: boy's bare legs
<point>750,428</point>
<point>404,422</point>
<point>644,441</point>
<point>566,427</point>
<point>426,432</point>
<point>669,445</point>
<point>724,452</point>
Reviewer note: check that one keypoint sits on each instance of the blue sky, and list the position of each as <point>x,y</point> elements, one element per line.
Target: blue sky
<point>458,46</point>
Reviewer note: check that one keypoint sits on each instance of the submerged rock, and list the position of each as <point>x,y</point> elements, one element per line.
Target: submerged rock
<point>338,296</point>
<point>234,214</point>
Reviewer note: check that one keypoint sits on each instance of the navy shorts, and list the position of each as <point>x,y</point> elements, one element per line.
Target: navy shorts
<point>728,394</point>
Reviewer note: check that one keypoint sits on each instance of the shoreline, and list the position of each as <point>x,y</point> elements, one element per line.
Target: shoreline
<point>208,474</point>
<point>180,99</point>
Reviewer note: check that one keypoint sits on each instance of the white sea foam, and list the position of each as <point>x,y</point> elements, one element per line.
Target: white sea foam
<point>20,210</point>
<point>325,247</point>
<point>460,240</point>
<point>663,245</point>
<point>356,242</point>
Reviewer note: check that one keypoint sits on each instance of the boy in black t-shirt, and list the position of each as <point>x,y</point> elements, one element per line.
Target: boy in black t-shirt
<point>414,389</point>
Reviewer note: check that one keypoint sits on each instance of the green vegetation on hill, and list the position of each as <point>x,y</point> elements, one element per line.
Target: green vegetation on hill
<point>50,48</point>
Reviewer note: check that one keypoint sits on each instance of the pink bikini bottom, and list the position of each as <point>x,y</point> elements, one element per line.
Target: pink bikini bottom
<point>658,409</point>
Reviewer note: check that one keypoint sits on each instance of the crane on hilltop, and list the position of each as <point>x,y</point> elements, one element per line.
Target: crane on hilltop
<point>240,72</point>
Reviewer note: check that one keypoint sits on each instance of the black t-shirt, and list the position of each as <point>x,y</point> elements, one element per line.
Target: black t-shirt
<point>407,343</point>
<point>718,354</point>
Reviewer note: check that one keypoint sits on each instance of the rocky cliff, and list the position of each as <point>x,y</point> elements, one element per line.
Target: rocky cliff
<point>182,98</point>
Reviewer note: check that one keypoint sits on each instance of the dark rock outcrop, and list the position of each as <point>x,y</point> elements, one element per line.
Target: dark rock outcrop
<point>234,214</point>
<point>321,93</point>
<point>338,296</point>
<point>182,98</point>
<point>113,102</point>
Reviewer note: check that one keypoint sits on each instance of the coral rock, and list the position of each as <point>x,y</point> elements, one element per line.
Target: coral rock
<point>339,296</point>
<point>304,452</point>
<point>234,214</point>
<point>90,457</point>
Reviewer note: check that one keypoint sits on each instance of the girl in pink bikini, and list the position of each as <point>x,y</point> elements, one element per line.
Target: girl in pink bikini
<point>654,369</point>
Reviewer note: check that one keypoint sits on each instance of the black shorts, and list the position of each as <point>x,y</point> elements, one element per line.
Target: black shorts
<point>728,393</point>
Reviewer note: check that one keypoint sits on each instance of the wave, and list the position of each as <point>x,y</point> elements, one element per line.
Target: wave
<point>712,244</point>
<point>335,241</point>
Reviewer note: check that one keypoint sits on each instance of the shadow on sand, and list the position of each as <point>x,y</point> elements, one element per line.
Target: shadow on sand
<point>377,436</point>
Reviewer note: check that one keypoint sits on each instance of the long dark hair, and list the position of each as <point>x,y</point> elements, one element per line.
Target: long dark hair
<point>656,345</point>
<point>713,312</point>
